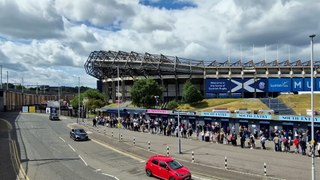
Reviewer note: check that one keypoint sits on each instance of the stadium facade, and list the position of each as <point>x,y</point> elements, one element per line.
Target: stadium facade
<point>213,79</point>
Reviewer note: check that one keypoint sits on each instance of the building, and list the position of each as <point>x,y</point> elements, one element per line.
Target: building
<point>213,79</point>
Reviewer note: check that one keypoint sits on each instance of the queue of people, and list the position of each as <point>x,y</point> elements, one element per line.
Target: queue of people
<point>283,140</point>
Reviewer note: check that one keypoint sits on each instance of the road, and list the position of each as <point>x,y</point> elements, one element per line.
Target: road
<point>47,152</point>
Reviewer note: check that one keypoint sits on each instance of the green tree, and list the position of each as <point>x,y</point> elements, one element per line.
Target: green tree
<point>190,93</point>
<point>172,105</point>
<point>94,99</point>
<point>143,93</point>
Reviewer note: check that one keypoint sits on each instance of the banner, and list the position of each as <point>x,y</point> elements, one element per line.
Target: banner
<point>261,85</point>
<point>236,85</point>
<point>279,85</point>
<point>307,84</point>
<point>297,84</point>
<point>217,85</point>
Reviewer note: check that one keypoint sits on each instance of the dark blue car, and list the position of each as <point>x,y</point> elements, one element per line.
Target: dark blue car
<point>79,134</point>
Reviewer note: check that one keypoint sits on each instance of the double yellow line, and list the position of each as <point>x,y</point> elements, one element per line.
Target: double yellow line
<point>14,155</point>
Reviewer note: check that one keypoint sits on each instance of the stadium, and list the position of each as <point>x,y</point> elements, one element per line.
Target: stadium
<point>214,79</point>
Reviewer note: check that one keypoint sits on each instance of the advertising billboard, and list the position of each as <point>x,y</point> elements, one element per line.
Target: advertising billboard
<point>297,84</point>
<point>261,85</point>
<point>217,85</point>
<point>279,84</point>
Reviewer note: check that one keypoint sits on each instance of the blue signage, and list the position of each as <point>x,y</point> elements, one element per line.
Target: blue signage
<point>279,85</point>
<point>217,85</point>
<point>307,84</point>
<point>317,84</point>
<point>298,118</point>
<point>215,114</point>
<point>247,85</point>
<point>254,116</point>
<point>236,85</point>
<point>297,84</point>
<point>261,85</point>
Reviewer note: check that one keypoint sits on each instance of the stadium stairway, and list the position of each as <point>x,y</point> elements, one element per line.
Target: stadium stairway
<point>278,106</point>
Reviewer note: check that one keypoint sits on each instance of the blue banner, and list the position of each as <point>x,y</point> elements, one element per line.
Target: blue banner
<point>261,85</point>
<point>307,84</point>
<point>236,85</point>
<point>279,85</point>
<point>217,85</point>
<point>318,84</point>
<point>248,85</point>
<point>297,84</point>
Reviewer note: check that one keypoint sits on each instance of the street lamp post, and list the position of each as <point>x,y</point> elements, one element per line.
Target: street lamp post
<point>119,124</point>
<point>1,75</point>
<point>78,100</point>
<point>59,94</point>
<point>312,112</point>
<point>179,140</point>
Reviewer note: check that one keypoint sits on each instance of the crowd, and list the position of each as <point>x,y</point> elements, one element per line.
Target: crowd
<point>283,140</point>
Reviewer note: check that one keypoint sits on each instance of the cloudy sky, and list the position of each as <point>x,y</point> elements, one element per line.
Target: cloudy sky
<point>48,41</point>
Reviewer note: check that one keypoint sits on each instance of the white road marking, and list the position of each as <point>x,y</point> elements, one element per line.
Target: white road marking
<point>83,160</point>
<point>193,176</point>
<point>62,139</point>
<point>118,151</point>
<point>72,148</point>
<point>110,176</point>
<point>97,170</point>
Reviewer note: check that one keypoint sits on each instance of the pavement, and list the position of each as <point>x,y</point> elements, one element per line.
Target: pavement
<point>209,158</point>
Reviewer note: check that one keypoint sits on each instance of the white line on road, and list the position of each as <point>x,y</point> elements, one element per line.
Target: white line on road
<point>83,160</point>
<point>110,175</point>
<point>62,139</point>
<point>118,151</point>
<point>72,148</point>
<point>193,176</point>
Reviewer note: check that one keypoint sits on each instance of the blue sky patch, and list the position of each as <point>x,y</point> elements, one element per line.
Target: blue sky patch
<point>167,4</point>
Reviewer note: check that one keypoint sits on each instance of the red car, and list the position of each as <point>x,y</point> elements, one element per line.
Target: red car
<point>166,167</point>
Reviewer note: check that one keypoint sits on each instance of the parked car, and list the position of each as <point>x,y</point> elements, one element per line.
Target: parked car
<point>79,134</point>
<point>54,116</point>
<point>166,167</point>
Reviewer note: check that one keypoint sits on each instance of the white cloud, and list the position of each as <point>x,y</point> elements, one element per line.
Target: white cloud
<point>52,39</point>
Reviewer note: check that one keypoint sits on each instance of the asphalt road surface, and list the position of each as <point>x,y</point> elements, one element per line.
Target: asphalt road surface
<point>47,152</point>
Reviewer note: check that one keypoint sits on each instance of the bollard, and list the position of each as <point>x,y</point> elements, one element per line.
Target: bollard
<point>134,141</point>
<point>121,137</point>
<point>105,132</point>
<point>192,157</point>
<point>265,169</point>
<point>148,145</point>
<point>167,150</point>
<point>225,163</point>
<point>111,133</point>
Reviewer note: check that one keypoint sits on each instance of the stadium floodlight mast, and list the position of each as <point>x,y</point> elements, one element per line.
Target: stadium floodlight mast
<point>312,112</point>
